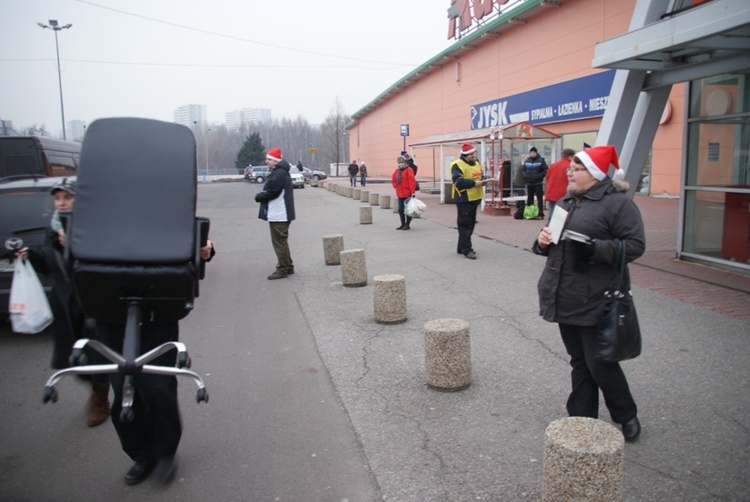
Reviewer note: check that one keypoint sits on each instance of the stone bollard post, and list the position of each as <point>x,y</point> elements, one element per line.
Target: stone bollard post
<point>394,204</point>
<point>332,247</point>
<point>348,192</point>
<point>385,202</point>
<point>314,183</point>
<point>353,268</point>
<point>447,354</point>
<point>365,215</point>
<point>389,299</point>
<point>374,199</point>
<point>356,193</point>
<point>583,460</point>
<point>364,195</point>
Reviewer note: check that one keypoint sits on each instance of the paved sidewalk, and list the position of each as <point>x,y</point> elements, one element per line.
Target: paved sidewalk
<point>485,443</point>
<point>657,270</point>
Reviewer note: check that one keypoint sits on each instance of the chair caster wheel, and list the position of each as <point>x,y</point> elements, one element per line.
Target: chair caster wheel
<point>183,360</point>
<point>78,358</point>
<point>202,395</point>
<point>127,414</point>
<point>50,394</point>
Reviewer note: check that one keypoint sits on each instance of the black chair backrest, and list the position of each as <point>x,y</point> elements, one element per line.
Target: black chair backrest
<point>136,196</point>
<point>132,234</point>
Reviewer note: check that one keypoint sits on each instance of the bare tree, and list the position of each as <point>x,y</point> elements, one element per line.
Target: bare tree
<point>335,147</point>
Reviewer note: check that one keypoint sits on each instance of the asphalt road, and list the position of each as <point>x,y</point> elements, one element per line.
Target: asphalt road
<point>273,429</point>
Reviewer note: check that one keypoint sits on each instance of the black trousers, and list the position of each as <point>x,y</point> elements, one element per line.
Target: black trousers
<point>156,430</point>
<point>538,190</point>
<point>465,221</point>
<point>589,375</point>
<point>405,220</point>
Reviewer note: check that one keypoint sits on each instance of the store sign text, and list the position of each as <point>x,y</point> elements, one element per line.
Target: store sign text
<point>462,13</point>
<point>580,98</point>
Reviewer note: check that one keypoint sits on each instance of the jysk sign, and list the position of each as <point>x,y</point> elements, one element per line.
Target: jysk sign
<point>580,98</point>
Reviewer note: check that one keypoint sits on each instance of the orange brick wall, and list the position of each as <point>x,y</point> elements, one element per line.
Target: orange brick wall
<point>554,46</point>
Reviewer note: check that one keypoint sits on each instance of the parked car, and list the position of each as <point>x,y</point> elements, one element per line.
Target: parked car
<point>26,206</point>
<point>298,180</point>
<point>314,174</point>
<point>256,174</point>
<point>38,155</point>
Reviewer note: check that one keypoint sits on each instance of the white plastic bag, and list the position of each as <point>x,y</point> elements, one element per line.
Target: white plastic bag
<point>414,207</point>
<point>29,309</point>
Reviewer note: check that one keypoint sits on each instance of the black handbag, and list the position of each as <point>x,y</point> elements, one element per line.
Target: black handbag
<point>618,335</point>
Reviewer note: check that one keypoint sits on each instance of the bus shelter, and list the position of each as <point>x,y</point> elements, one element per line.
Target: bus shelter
<point>499,148</point>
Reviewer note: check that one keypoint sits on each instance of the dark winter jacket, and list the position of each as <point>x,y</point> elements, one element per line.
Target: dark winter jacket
<point>277,197</point>
<point>68,325</point>
<point>605,213</point>
<point>534,170</point>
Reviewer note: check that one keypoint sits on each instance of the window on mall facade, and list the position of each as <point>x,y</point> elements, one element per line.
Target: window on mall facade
<point>716,194</point>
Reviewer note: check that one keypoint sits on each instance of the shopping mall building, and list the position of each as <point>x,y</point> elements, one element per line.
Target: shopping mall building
<point>671,75</point>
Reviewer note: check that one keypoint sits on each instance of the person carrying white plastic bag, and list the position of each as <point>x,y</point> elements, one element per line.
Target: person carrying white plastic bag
<point>29,309</point>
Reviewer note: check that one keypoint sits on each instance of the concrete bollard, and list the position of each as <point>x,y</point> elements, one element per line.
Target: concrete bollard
<point>394,204</point>
<point>353,268</point>
<point>583,460</point>
<point>332,247</point>
<point>374,199</point>
<point>348,192</point>
<point>314,183</point>
<point>389,299</point>
<point>365,215</point>
<point>447,354</point>
<point>364,195</point>
<point>356,193</point>
<point>385,202</point>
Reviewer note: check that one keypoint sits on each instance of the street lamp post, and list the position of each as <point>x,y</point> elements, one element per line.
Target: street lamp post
<point>53,25</point>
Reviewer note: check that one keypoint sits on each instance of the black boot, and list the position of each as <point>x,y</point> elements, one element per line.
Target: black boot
<point>408,221</point>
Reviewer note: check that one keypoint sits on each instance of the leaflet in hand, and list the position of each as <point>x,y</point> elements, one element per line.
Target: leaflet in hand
<point>575,236</point>
<point>557,222</point>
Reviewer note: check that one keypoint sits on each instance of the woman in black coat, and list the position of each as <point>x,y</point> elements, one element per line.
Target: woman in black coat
<point>577,274</point>
<point>69,324</point>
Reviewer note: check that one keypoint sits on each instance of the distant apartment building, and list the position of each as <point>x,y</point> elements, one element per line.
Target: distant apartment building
<point>76,129</point>
<point>247,116</point>
<point>191,116</point>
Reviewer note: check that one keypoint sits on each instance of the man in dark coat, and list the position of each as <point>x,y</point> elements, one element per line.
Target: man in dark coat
<point>353,170</point>
<point>534,170</point>
<point>277,208</point>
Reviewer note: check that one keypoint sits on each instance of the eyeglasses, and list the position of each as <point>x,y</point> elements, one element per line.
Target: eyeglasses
<point>575,169</point>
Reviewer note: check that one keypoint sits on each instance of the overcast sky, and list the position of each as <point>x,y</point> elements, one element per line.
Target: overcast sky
<point>145,58</point>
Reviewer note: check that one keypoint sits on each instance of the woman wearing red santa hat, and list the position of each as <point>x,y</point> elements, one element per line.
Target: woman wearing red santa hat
<point>577,274</point>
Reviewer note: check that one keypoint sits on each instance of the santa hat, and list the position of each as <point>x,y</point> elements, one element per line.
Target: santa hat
<point>274,154</point>
<point>467,149</point>
<point>597,161</point>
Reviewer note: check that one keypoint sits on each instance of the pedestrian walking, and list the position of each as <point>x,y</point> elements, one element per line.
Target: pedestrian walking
<point>353,170</point>
<point>363,173</point>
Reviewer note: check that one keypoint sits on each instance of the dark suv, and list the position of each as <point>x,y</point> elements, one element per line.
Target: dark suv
<point>26,206</point>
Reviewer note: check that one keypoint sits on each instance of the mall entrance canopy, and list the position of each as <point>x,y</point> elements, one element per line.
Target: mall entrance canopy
<point>496,144</point>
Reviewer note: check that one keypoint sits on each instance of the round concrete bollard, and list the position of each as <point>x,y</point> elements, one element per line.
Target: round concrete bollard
<point>389,299</point>
<point>353,268</point>
<point>348,192</point>
<point>447,354</point>
<point>583,460</point>
<point>374,199</point>
<point>356,193</point>
<point>385,202</point>
<point>394,204</point>
<point>365,215</point>
<point>364,195</point>
<point>332,247</point>
<point>314,183</point>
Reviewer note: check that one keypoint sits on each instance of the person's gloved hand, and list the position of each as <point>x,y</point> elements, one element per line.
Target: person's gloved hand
<point>583,251</point>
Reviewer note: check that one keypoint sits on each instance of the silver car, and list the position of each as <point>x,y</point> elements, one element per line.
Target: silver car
<point>298,180</point>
